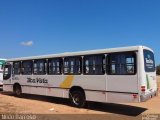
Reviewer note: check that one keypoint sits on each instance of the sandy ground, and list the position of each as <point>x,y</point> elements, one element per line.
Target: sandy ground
<point>32,104</point>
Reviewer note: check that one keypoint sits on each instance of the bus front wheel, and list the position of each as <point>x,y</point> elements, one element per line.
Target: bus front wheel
<point>77,99</point>
<point>17,90</point>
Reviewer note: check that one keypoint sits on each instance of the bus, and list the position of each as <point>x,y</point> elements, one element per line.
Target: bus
<point>2,61</point>
<point>115,75</point>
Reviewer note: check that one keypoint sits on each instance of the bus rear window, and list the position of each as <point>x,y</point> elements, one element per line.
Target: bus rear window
<point>149,62</point>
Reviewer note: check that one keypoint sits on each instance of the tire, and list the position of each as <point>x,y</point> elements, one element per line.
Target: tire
<point>77,99</point>
<point>18,91</point>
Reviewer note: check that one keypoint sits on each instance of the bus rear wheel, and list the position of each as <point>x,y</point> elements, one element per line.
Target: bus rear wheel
<point>77,99</point>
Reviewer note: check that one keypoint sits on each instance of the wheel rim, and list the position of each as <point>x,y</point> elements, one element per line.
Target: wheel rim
<point>77,100</point>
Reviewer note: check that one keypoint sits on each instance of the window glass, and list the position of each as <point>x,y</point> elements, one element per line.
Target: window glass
<point>149,62</point>
<point>130,64</point>
<point>54,66</point>
<point>27,67</point>
<point>122,63</point>
<point>72,65</point>
<point>94,64</point>
<point>39,67</point>
<point>1,64</point>
<point>7,72</point>
<point>16,68</point>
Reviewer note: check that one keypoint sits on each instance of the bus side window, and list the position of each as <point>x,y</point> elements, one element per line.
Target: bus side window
<point>16,68</point>
<point>54,66</point>
<point>72,65</point>
<point>130,64</point>
<point>27,67</point>
<point>39,67</point>
<point>122,63</point>
<point>94,64</point>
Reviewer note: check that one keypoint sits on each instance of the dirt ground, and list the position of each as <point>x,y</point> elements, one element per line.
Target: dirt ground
<point>33,104</point>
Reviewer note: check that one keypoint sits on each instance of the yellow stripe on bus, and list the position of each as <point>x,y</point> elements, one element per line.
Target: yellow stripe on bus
<point>67,82</point>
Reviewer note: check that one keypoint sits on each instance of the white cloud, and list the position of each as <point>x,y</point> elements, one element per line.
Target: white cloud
<point>27,43</point>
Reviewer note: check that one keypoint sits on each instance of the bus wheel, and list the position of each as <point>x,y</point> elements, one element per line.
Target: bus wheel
<point>77,99</point>
<point>18,90</point>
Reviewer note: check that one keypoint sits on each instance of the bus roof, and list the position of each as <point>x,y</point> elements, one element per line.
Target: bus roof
<point>88,52</point>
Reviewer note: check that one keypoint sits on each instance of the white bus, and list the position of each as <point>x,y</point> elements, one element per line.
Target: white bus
<point>2,61</point>
<point>115,75</point>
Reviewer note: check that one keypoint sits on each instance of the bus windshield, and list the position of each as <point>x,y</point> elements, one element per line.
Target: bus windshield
<point>149,62</point>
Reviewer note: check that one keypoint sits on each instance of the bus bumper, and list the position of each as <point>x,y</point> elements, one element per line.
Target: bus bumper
<point>145,97</point>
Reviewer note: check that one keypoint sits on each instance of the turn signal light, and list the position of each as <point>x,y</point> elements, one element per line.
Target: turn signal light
<point>143,88</point>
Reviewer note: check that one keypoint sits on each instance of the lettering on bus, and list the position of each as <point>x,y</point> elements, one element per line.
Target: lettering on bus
<point>15,78</point>
<point>37,80</point>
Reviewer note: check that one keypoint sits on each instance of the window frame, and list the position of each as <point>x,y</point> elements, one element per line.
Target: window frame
<point>108,65</point>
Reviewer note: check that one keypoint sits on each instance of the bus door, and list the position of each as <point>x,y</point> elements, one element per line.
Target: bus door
<point>1,69</point>
<point>7,74</point>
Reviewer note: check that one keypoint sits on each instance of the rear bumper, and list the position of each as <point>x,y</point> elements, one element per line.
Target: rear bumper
<point>148,96</point>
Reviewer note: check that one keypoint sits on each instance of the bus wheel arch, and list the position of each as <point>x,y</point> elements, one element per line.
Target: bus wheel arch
<point>17,89</point>
<point>77,96</point>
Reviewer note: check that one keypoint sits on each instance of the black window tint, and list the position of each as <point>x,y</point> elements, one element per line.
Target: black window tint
<point>122,63</point>
<point>27,67</point>
<point>94,65</point>
<point>39,67</point>
<point>149,62</point>
<point>54,66</point>
<point>16,68</point>
<point>72,65</point>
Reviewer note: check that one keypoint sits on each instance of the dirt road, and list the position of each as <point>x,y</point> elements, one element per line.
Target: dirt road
<point>32,104</point>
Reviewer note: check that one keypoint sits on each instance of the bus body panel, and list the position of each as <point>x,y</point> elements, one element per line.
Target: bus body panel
<point>94,91</point>
<point>122,97</point>
<point>122,83</point>
<point>90,82</point>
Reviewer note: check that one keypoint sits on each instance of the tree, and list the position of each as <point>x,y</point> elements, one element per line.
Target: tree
<point>158,70</point>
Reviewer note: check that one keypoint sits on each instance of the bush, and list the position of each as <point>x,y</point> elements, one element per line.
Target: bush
<point>158,70</point>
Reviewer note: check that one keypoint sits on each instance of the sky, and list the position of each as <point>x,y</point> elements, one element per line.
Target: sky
<point>39,27</point>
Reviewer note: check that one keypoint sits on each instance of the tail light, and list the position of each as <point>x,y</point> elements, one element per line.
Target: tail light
<point>134,95</point>
<point>143,88</point>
